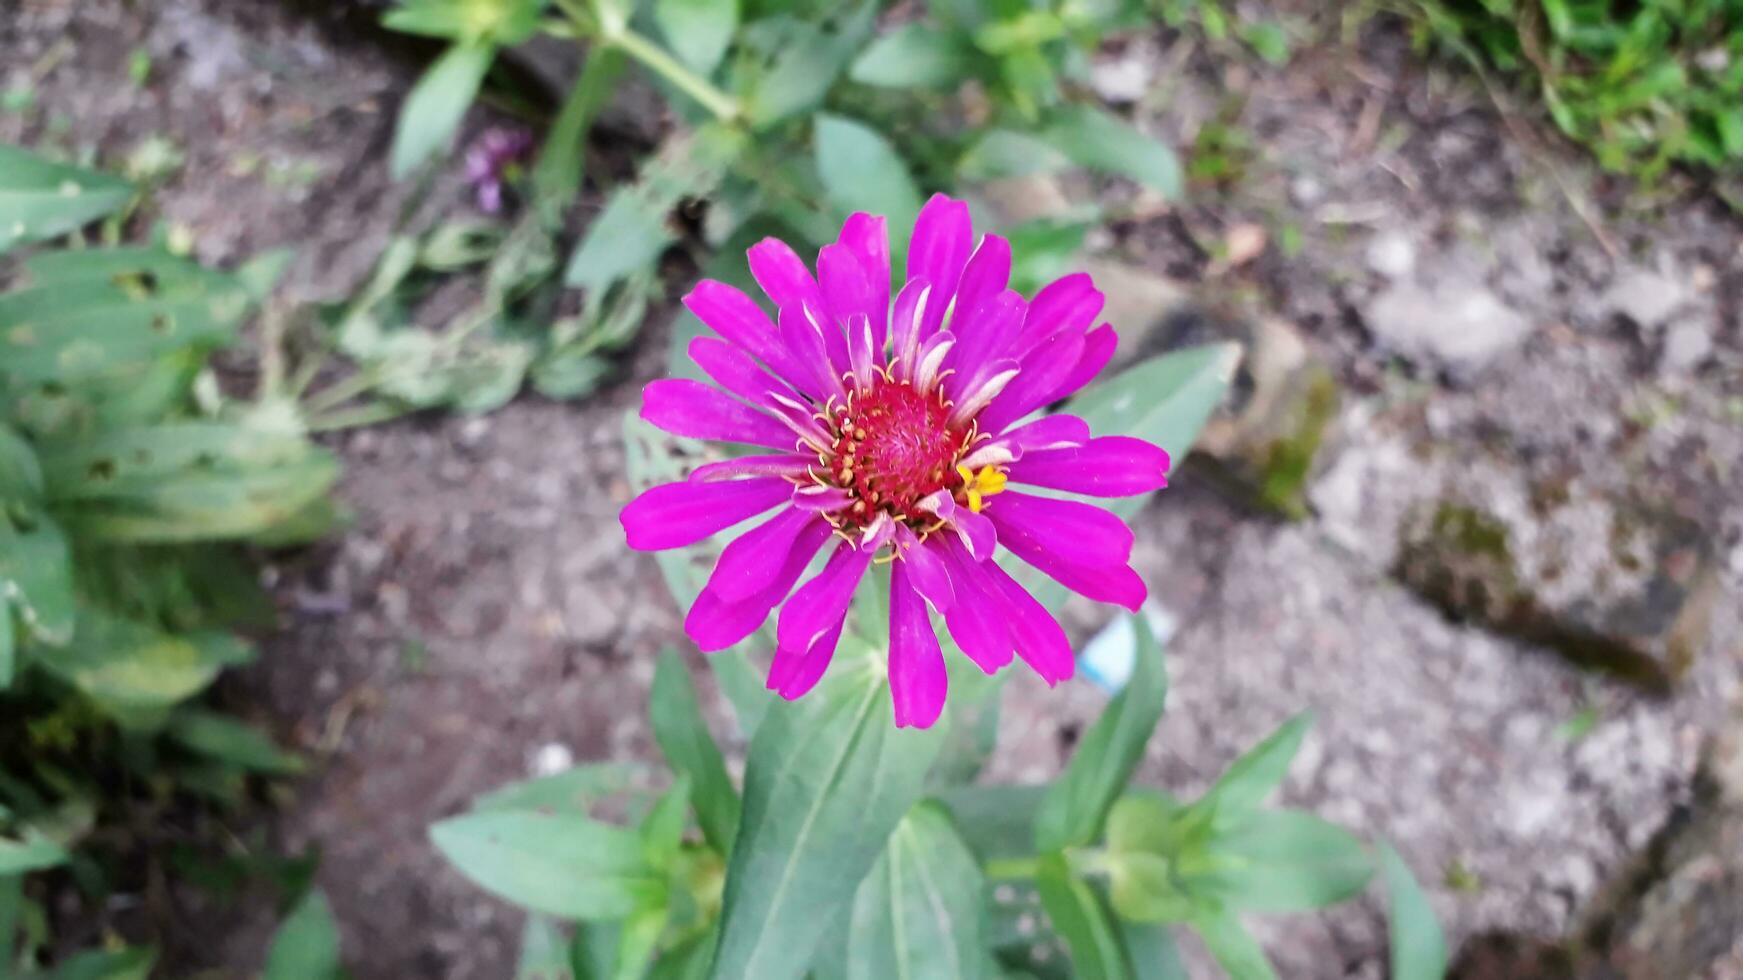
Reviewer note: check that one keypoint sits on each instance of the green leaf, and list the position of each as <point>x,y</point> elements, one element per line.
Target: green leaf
<point>1418,945</point>
<point>683,737</point>
<point>574,791</point>
<point>686,961</point>
<point>225,739</point>
<point>862,172</point>
<point>8,645</point>
<point>1256,773</point>
<point>1000,818</point>
<point>919,913</point>
<point>1153,952</point>
<point>1149,842</point>
<point>559,864</point>
<point>562,161</point>
<point>1001,153</point>
<point>638,941</point>
<point>31,853</point>
<point>698,30</point>
<point>913,55</point>
<point>20,473</point>
<point>127,964</point>
<point>1165,400</point>
<point>40,199</point>
<point>505,22</point>
<point>1234,947</point>
<point>1097,140</point>
<point>432,111</point>
<point>1080,916</point>
<point>137,673</point>
<point>1287,861</point>
<point>544,953</point>
<point>827,780</point>
<point>662,830</point>
<point>804,60</point>
<point>307,944</point>
<point>1077,805</point>
<point>36,576</point>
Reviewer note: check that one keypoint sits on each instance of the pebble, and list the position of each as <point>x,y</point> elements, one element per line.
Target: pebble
<point>1392,254</point>
<point>1686,346</point>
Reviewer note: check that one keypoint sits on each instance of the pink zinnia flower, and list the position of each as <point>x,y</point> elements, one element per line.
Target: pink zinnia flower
<point>895,432</point>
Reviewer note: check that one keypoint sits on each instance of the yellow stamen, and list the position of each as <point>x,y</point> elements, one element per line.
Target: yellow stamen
<point>978,486</point>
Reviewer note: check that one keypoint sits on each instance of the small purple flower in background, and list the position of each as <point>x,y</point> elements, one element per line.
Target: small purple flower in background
<point>492,160</point>
<point>897,430</point>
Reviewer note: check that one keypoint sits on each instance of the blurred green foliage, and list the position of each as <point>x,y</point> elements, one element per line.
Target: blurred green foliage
<point>128,488</point>
<point>1644,83</point>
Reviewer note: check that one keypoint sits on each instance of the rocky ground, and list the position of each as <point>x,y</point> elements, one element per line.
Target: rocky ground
<point>1489,440</point>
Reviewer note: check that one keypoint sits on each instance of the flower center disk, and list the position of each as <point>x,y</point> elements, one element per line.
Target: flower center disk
<point>894,447</point>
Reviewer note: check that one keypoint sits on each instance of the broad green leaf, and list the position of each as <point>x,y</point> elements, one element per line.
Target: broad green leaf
<point>698,30</point>
<point>1097,140</point>
<point>686,961</point>
<point>1077,805</point>
<point>638,940</point>
<point>20,473</point>
<point>1418,944</point>
<point>40,199</point>
<point>506,22</point>
<point>432,111</point>
<point>914,55</point>
<point>31,853</point>
<point>8,645</point>
<point>557,174</point>
<point>593,952</point>
<point>662,830</point>
<point>975,705</point>
<point>137,673</point>
<point>1165,400</point>
<point>307,944</point>
<point>804,60</point>
<point>560,864</point>
<point>862,172</point>
<point>999,821</point>
<point>682,733</point>
<point>919,913</point>
<point>36,577</point>
<point>225,739</point>
<point>1001,153</point>
<point>1080,916</point>
<point>1153,952</point>
<point>1234,947</point>
<point>544,952</point>
<point>1256,773</point>
<point>1287,861</point>
<point>827,780</point>
<point>127,964</point>
<point>573,792</point>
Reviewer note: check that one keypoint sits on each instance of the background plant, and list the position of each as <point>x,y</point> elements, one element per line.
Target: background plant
<point>1643,85</point>
<point>854,849</point>
<point>129,486</point>
<point>789,115</point>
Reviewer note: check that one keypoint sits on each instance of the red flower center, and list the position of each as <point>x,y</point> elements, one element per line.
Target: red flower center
<point>894,446</point>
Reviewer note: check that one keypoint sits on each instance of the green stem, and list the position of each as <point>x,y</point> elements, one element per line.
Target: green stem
<point>1010,868</point>
<point>723,106</point>
<point>367,415</point>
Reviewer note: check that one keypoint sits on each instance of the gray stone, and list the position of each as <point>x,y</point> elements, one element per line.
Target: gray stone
<point>1686,346</point>
<point>1647,297</point>
<point>1460,326</point>
<point>1392,254</point>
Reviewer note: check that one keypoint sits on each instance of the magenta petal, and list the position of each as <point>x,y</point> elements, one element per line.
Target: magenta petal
<point>737,318</point>
<point>976,619</point>
<point>982,334</point>
<point>799,673</point>
<point>715,623</point>
<point>1080,533</point>
<point>1098,349</point>
<point>868,237</point>
<point>1111,466</point>
<point>1039,638</point>
<point>783,275</point>
<point>803,338</point>
<point>977,533</point>
<point>734,370</point>
<point>1047,433</point>
<point>779,464</point>
<point>987,274</point>
<point>820,603</point>
<point>1068,303</point>
<point>925,569</point>
<point>673,515</point>
<point>848,288</point>
<point>1044,368</point>
<point>918,680</point>
<point>910,311</point>
<point>943,237</point>
<point>690,408</point>
<point>754,559</point>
